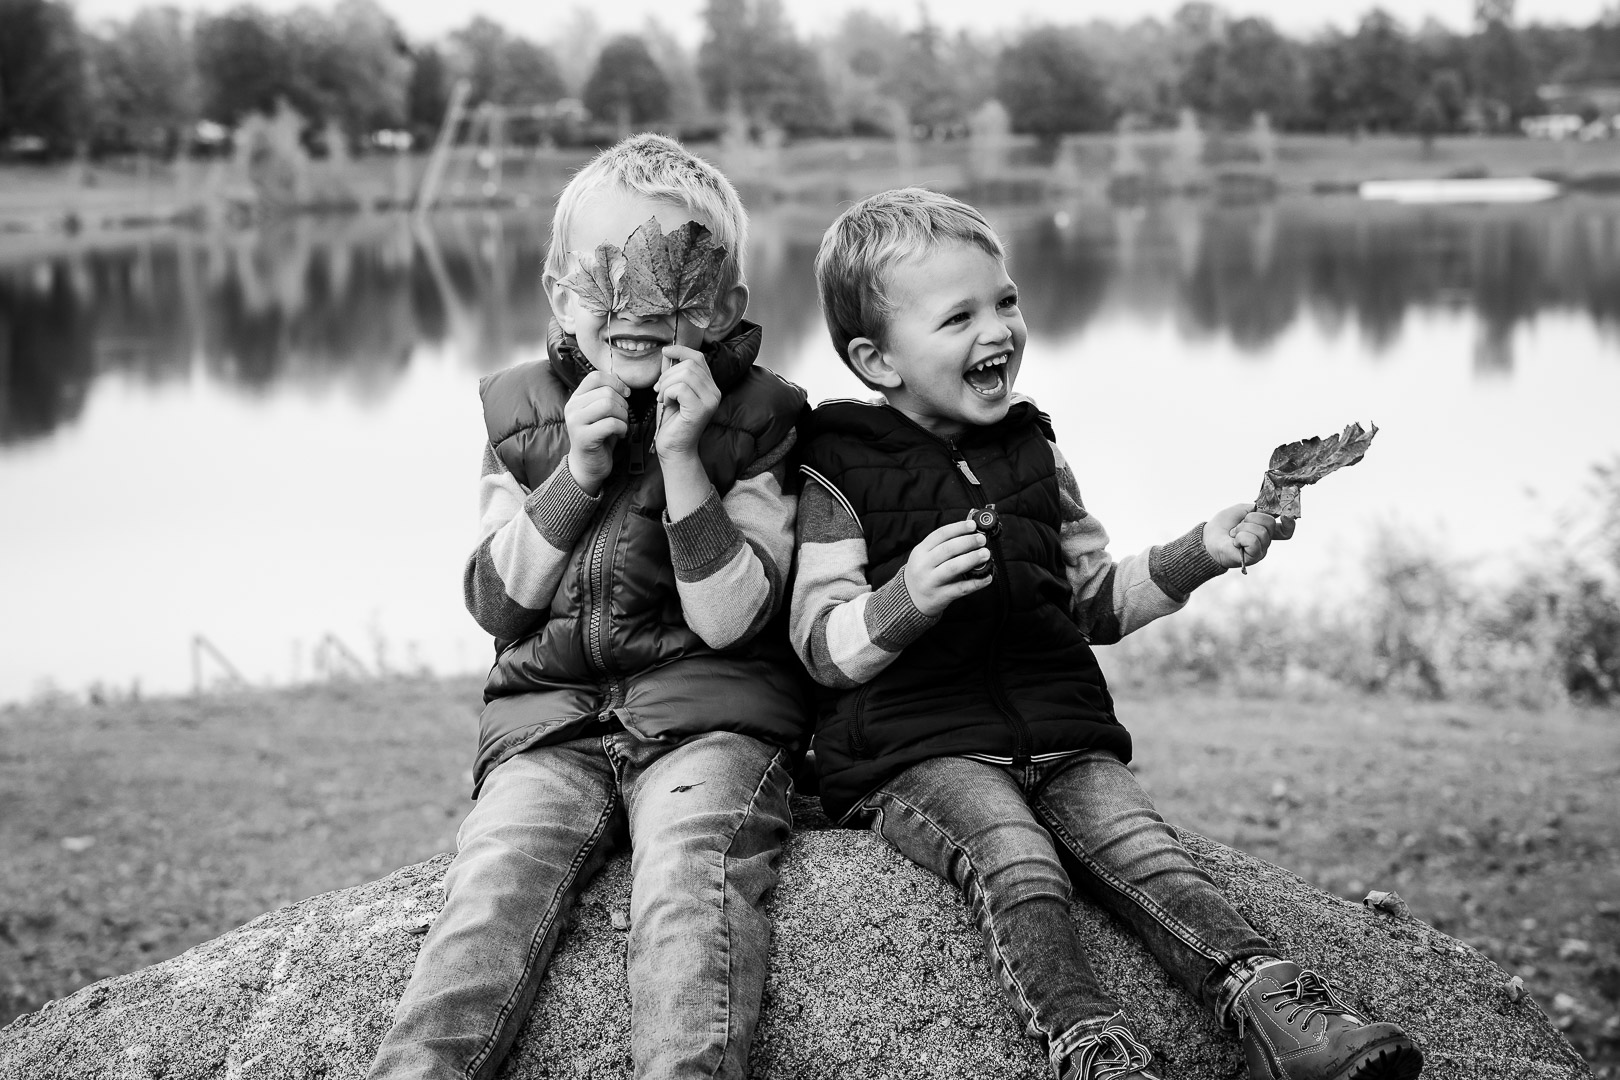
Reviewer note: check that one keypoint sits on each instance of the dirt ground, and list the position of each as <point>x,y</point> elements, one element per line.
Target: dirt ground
<point>132,831</point>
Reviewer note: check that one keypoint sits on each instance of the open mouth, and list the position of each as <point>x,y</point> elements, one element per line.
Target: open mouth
<point>636,348</point>
<point>989,376</point>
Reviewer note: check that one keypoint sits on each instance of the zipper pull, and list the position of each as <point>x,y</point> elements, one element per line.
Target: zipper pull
<point>967,471</point>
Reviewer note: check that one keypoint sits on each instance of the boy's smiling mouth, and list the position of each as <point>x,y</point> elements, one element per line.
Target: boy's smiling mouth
<point>988,377</point>
<point>636,347</point>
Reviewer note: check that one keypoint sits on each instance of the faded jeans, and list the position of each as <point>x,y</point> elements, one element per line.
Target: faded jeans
<point>706,820</point>
<point>1005,836</point>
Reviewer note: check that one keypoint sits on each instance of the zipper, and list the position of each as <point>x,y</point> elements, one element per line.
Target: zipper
<point>998,693</point>
<point>607,536</point>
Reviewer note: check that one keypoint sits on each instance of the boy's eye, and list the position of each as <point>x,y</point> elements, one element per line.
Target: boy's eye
<point>1010,301</point>
<point>959,317</point>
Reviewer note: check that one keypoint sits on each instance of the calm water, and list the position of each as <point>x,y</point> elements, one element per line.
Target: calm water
<point>272,440</point>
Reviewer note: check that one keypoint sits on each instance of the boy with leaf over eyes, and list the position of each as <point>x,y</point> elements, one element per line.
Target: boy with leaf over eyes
<point>636,536</point>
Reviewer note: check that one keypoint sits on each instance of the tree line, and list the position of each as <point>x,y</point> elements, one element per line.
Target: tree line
<point>145,83</point>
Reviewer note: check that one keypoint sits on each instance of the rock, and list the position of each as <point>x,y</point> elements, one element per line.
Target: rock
<point>876,974</point>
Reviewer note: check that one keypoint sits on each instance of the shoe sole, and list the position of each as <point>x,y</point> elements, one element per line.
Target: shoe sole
<point>1401,1062</point>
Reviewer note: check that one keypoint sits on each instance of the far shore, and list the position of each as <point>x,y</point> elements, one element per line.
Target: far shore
<point>116,195</point>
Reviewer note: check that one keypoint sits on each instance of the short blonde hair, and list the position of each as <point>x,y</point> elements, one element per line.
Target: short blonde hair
<point>656,167</point>
<point>860,248</point>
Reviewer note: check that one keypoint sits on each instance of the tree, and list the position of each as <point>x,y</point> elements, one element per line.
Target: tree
<point>1140,64</point>
<point>627,87</point>
<point>1503,75</point>
<point>1382,74</point>
<point>349,66</point>
<point>1049,86</point>
<point>1250,68</point>
<point>751,61</point>
<point>42,76</point>
<point>504,69</point>
<point>427,95</point>
<point>243,64</point>
<point>146,80</point>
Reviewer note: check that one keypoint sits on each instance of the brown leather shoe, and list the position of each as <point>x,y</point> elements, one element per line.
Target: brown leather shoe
<point>1111,1054</point>
<point>1294,1026</point>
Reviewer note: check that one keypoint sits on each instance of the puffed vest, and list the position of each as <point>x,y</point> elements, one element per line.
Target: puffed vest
<point>1005,671</point>
<point>614,645</point>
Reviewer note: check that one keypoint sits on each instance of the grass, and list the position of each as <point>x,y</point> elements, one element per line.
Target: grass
<point>131,831</point>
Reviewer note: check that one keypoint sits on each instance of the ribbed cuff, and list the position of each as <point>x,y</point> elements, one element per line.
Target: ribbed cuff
<point>893,620</point>
<point>1182,565</point>
<point>702,539</point>
<point>560,508</point>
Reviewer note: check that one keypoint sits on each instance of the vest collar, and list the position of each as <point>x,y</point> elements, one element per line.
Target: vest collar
<point>729,358</point>
<point>1022,413</point>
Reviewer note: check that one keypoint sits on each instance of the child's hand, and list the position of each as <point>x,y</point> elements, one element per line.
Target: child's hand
<point>936,573</point>
<point>687,398</point>
<point>597,413</point>
<point>1239,535</point>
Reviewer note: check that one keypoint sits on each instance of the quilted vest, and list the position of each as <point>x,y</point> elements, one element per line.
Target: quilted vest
<point>1005,671</point>
<point>614,644</point>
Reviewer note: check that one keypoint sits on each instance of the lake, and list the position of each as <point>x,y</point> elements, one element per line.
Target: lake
<point>257,453</point>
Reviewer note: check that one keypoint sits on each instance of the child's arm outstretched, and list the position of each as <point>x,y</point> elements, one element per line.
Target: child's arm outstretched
<point>843,630</point>
<point>1113,598</point>
<point>731,555</point>
<point>525,537</point>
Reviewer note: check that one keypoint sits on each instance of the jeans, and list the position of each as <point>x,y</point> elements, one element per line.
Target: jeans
<point>1005,835</point>
<point>705,819</point>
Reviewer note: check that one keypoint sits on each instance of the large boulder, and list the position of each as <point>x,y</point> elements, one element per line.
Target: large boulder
<point>876,973</point>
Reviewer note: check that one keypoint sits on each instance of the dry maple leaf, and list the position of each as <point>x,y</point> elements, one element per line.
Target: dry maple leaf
<point>674,273</point>
<point>599,281</point>
<point>1296,464</point>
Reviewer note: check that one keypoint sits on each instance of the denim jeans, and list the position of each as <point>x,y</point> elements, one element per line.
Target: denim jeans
<point>1005,836</point>
<point>705,819</point>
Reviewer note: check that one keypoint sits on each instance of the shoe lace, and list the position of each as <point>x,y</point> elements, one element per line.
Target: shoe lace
<point>1112,1054</point>
<point>1311,994</point>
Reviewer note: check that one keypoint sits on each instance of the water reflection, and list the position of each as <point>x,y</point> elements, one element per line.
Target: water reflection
<point>320,300</point>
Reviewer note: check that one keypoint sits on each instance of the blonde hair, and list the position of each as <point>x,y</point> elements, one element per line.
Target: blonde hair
<point>656,167</point>
<point>859,249</point>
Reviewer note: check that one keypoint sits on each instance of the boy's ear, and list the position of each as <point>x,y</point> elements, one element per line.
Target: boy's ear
<point>728,312</point>
<point>870,363</point>
<point>563,303</point>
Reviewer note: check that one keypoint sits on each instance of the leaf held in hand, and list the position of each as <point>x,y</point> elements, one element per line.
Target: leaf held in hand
<point>599,281</point>
<point>1296,464</point>
<point>674,273</point>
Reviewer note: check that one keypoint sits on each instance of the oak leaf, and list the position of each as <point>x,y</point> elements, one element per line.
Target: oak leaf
<point>1296,464</point>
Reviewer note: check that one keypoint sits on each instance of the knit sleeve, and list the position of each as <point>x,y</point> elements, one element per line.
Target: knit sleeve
<point>1113,598</point>
<point>843,630</point>
<point>731,555</point>
<point>525,538</point>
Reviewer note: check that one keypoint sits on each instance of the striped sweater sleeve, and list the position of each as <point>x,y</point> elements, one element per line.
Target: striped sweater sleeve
<point>1112,599</point>
<point>524,539</point>
<point>843,630</point>
<point>732,555</point>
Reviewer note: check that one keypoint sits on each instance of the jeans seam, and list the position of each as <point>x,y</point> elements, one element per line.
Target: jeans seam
<point>1186,934</point>
<point>542,931</point>
<point>1029,1008</point>
<point>725,914</point>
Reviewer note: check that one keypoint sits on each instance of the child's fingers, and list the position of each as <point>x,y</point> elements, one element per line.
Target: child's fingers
<point>947,531</point>
<point>965,563</point>
<point>596,379</point>
<point>600,431</point>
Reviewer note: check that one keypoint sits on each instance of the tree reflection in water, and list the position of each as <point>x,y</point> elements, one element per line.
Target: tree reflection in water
<point>346,300</point>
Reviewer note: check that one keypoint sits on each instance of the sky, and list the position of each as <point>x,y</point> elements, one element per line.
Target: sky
<point>537,19</point>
